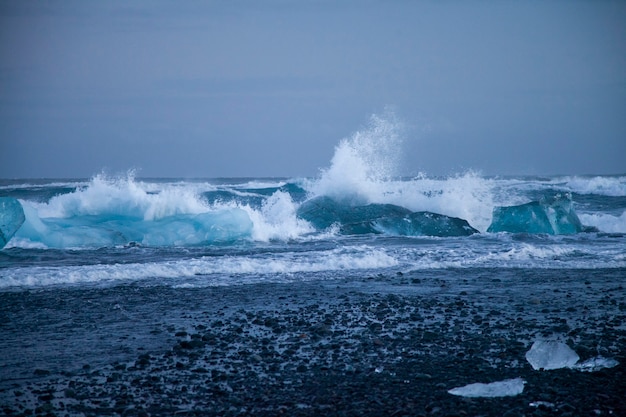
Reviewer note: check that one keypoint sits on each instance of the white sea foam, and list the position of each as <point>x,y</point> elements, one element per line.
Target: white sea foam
<point>226,270</point>
<point>124,197</point>
<point>424,254</point>
<point>259,184</point>
<point>42,184</point>
<point>609,186</point>
<point>277,220</point>
<point>365,169</point>
<point>613,186</point>
<point>501,252</point>
<point>363,163</point>
<point>605,222</point>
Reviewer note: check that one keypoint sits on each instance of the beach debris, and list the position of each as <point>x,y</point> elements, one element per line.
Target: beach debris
<point>506,388</point>
<point>552,354</point>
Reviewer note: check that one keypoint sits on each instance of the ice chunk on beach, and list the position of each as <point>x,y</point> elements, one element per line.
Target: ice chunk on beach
<point>595,364</point>
<point>506,388</point>
<point>551,354</point>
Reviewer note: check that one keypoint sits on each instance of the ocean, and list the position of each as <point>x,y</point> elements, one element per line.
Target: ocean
<point>221,232</point>
<point>122,295</point>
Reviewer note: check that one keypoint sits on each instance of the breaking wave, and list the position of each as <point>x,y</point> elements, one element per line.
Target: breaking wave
<point>361,190</point>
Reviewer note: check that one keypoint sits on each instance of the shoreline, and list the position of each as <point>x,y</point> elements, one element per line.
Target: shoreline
<point>371,345</point>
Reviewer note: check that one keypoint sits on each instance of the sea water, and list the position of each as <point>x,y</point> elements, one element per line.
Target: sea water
<point>358,214</point>
<point>233,231</point>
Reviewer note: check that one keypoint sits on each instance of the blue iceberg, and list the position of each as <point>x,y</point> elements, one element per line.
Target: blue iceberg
<point>425,223</point>
<point>106,230</point>
<point>324,212</point>
<point>554,217</point>
<point>11,218</point>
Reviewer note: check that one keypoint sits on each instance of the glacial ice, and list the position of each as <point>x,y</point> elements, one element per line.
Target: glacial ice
<point>110,230</point>
<point>424,223</point>
<point>323,212</point>
<point>554,216</point>
<point>506,388</point>
<point>538,404</point>
<point>595,364</point>
<point>11,218</point>
<point>551,354</point>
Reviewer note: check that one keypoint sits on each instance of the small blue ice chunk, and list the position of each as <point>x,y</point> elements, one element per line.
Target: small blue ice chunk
<point>11,218</point>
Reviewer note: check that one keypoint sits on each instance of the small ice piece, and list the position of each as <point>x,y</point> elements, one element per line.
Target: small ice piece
<point>595,364</point>
<point>551,354</point>
<point>506,388</point>
<point>541,404</point>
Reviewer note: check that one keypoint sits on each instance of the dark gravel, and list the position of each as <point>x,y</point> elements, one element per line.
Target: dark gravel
<point>380,345</point>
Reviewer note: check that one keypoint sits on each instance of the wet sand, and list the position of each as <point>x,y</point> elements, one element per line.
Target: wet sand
<point>362,345</point>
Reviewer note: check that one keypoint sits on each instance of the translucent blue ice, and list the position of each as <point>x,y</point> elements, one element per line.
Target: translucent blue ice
<point>554,217</point>
<point>11,218</point>
<point>323,212</point>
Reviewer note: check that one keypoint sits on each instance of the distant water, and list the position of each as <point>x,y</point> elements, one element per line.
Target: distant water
<point>356,216</point>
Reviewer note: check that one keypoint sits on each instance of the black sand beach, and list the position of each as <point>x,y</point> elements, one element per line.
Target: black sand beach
<point>364,345</point>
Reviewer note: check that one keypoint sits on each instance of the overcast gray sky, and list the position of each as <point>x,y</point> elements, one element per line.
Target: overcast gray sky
<point>268,88</point>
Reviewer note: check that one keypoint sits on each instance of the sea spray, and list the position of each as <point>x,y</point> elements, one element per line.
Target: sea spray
<point>277,220</point>
<point>364,162</point>
<point>123,196</point>
<point>467,196</point>
<point>614,186</point>
<point>366,169</point>
<point>605,222</point>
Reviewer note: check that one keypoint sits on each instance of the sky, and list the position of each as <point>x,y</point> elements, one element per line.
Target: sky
<point>268,89</point>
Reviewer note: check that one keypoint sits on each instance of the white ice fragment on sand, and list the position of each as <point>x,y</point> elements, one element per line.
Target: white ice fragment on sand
<point>506,388</point>
<point>542,404</point>
<point>595,364</point>
<point>551,354</point>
